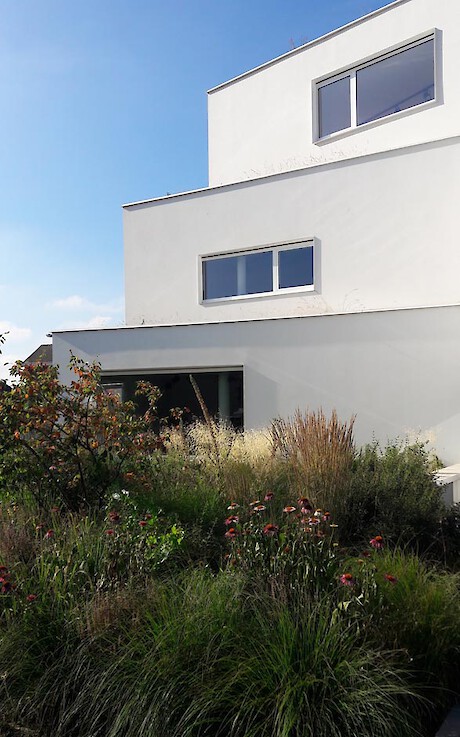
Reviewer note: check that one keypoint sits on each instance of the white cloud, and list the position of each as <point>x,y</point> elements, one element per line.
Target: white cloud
<point>15,333</point>
<point>76,302</point>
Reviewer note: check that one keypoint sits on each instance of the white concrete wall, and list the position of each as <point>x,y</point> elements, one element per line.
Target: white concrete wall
<point>398,371</point>
<point>387,228</point>
<point>262,124</point>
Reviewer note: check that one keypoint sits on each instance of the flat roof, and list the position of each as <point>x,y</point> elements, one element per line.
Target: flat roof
<point>309,44</point>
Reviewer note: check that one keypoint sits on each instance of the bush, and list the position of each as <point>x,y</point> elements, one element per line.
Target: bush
<point>392,492</point>
<point>70,443</point>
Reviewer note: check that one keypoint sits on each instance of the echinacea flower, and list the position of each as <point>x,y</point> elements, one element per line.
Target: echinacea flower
<point>254,504</point>
<point>142,523</point>
<point>289,509</point>
<point>114,516</point>
<point>347,579</point>
<point>3,569</point>
<point>49,534</point>
<point>232,520</point>
<point>6,587</point>
<point>326,516</point>
<point>271,530</point>
<point>233,506</point>
<point>259,508</point>
<point>268,496</point>
<point>318,513</point>
<point>109,532</point>
<point>31,597</point>
<point>392,579</point>
<point>377,542</point>
<point>231,533</point>
<point>306,504</point>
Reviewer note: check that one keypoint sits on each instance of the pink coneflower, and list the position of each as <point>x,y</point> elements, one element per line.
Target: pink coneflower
<point>49,534</point>
<point>392,579</point>
<point>31,597</point>
<point>314,521</point>
<point>6,587</point>
<point>318,513</point>
<point>259,508</point>
<point>231,533</point>
<point>289,509</point>
<point>366,554</point>
<point>232,520</point>
<point>305,504</point>
<point>114,516</point>
<point>254,504</point>
<point>271,530</point>
<point>109,532</point>
<point>3,569</point>
<point>268,496</point>
<point>347,579</point>
<point>326,516</point>
<point>142,523</point>
<point>233,506</point>
<point>377,542</point>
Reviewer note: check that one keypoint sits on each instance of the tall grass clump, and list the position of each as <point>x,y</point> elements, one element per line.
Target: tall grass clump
<point>207,657</point>
<point>320,453</point>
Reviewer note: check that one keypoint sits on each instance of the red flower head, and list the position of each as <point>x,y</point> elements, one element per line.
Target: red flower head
<point>347,579</point>
<point>268,496</point>
<point>3,570</point>
<point>233,506</point>
<point>6,587</point>
<point>231,533</point>
<point>289,509</point>
<point>377,542</point>
<point>142,523</point>
<point>109,532</point>
<point>305,504</point>
<point>232,520</point>
<point>31,597</point>
<point>114,516</point>
<point>271,530</point>
<point>49,534</point>
<point>326,516</point>
<point>259,508</point>
<point>390,578</point>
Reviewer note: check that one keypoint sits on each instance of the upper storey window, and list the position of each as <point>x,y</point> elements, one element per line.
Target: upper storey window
<point>389,84</point>
<point>273,270</point>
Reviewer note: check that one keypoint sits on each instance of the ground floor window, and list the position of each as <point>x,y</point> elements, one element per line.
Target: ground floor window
<point>222,392</point>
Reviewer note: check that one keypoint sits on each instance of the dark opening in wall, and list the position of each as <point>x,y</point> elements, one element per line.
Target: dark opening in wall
<point>222,392</point>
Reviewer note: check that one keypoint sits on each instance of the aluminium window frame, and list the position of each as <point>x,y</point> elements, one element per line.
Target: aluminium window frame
<point>351,71</point>
<point>275,249</point>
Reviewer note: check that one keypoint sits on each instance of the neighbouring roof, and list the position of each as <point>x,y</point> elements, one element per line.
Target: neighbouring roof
<point>43,354</point>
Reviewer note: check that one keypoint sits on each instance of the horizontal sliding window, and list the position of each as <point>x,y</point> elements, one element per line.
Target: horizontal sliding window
<point>389,84</point>
<point>264,271</point>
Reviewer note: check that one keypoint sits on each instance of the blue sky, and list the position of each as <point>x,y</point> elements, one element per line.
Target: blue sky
<point>104,102</point>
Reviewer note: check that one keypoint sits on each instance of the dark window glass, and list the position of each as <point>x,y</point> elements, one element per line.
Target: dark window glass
<point>250,273</point>
<point>259,272</point>
<point>334,106</point>
<point>295,267</point>
<point>397,83</point>
<point>220,278</point>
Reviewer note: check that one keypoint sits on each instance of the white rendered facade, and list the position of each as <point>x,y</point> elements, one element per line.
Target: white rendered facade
<point>373,327</point>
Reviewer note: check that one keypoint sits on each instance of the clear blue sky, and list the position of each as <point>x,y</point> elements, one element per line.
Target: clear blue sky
<point>104,102</point>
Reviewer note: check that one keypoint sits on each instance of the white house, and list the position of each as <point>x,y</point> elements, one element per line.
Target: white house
<point>321,267</point>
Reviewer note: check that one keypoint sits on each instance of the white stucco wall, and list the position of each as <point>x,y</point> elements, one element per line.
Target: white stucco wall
<point>387,230</point>
<point>399,371</point>
<point>262,122</point>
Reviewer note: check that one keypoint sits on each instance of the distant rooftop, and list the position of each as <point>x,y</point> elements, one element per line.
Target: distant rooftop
<point>43,354</point>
